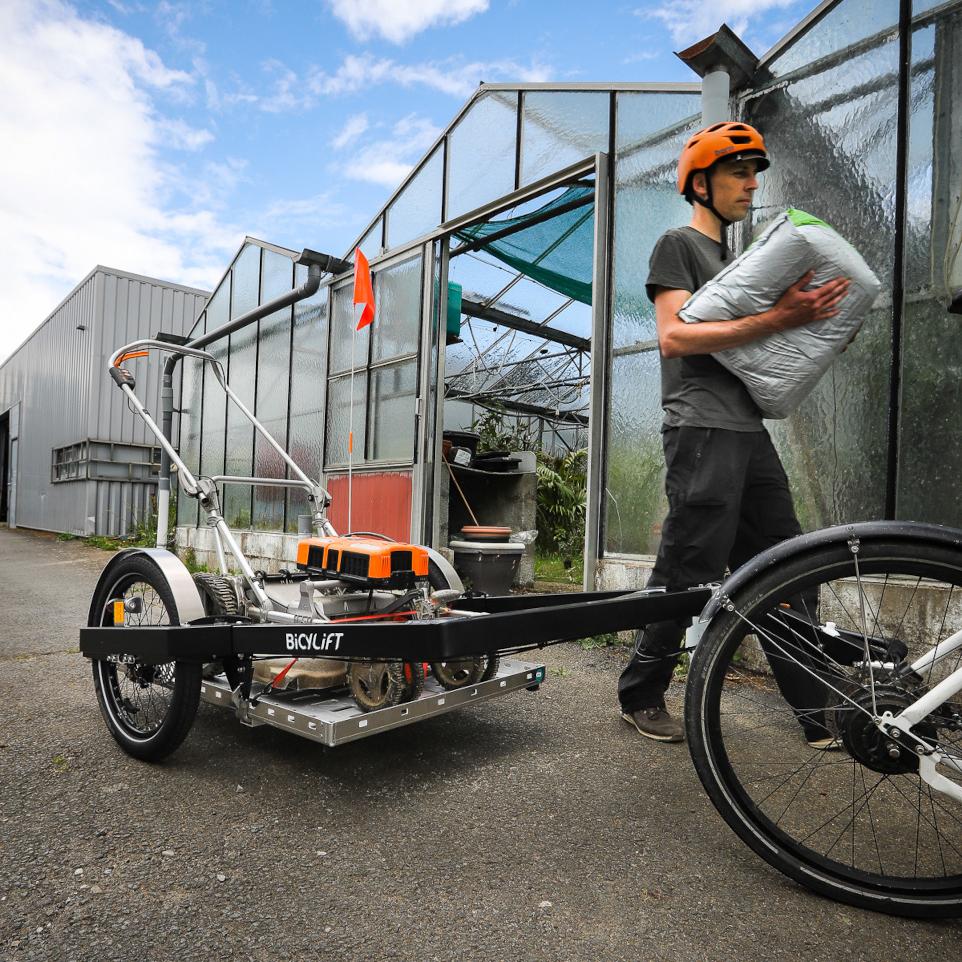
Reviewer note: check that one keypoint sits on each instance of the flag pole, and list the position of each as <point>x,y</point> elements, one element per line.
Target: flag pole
<point>350,436</point>
<point>363,294</point>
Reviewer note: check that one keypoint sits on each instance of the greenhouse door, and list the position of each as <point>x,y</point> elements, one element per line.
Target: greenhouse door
<point>521,303</point>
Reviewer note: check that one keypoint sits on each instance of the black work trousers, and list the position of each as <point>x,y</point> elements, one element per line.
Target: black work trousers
<point>728,499</point>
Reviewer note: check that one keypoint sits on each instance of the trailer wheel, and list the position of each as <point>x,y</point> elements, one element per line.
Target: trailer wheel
<point>148,708</point>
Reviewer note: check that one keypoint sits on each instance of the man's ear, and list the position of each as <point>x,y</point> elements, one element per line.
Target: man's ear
<point>699,184</point>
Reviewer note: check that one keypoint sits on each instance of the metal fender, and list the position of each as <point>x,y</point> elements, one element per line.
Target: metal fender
<point>186,597</point>
<point>447,569</point>
<point>793,547</point>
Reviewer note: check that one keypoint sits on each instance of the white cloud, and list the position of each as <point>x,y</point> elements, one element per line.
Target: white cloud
<point>387,162</point>
<point>357,73</point>
<point>690,20</point>
<point>182,136</point>
<point>81,177</point>
<point>451,76</point>
<point>398,20</point>
<point>355,126</point>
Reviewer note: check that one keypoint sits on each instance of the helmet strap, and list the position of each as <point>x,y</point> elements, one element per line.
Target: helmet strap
<point>709,202</point>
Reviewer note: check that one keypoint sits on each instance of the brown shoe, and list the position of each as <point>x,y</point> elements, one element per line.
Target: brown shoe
<point>656,723</point>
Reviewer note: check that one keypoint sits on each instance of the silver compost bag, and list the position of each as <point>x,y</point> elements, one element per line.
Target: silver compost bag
<point>781,369</point>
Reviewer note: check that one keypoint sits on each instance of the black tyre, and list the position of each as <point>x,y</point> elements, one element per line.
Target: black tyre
<point>463,671</point>
<point>148,708</point>
<point>220,601</point>
<point>460,672</point>
<point>491,667</point>
<point>413,679</point>
<point>857,823</point>
<point>378,684</point>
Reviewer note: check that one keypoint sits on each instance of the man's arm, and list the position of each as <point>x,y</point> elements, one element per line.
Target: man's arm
<point>794,308</point>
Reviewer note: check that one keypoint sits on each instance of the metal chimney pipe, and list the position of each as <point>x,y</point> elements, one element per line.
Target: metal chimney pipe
<point>715,94</point>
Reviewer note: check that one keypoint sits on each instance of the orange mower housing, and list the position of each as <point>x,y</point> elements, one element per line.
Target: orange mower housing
<point>365,561</point>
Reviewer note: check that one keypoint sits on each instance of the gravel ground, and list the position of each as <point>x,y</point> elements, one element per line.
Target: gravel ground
<point>533,827</point>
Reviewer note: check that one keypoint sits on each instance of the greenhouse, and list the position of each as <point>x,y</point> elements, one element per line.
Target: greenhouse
<point>509,273</point>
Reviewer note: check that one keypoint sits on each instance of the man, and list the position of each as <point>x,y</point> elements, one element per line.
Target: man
<point>728,495</point>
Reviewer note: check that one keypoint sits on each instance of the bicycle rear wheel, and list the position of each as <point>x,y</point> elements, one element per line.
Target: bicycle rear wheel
<point>857,823</point>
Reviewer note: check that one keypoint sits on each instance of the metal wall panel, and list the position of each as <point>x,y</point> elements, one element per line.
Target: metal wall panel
<point>59,378</point>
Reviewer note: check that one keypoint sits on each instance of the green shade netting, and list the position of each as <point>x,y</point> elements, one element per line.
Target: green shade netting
<point>557,252</point>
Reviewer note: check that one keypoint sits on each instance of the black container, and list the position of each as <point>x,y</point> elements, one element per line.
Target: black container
<point>463,439</point>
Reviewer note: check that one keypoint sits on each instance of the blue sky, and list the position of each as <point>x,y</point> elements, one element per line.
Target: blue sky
<point>152,137</point>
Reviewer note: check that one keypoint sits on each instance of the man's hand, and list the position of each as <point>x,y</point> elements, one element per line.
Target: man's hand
<point>797,307</point>
<point>793,309</point>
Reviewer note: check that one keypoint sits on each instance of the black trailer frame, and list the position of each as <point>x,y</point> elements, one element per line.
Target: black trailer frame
<point>476,626</point>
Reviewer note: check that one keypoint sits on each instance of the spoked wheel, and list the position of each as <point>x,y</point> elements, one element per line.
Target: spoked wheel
<point>856,822</point>
<point>148,708</point>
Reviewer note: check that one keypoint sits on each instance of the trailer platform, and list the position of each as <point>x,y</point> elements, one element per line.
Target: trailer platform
<point>336,720</point>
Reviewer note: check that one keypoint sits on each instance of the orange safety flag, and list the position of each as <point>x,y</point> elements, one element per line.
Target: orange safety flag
<point>363,290</point>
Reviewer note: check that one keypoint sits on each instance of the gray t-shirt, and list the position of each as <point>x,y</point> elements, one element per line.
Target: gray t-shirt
<point>696,391</point>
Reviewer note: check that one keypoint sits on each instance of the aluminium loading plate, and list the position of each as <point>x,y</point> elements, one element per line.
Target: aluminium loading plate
<point>337,719</point>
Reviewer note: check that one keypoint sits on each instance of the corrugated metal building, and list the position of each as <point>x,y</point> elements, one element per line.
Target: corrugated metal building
<point>72,456</point>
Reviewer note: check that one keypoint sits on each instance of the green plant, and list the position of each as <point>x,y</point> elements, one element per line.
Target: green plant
<point>634,495</point>
<point>103,542</point>
<point>608,640</point>
<point>562,489</point>
<point>550,566</point>
<point>681,669</point>
<point>499,431</point>
<point>189,557</point>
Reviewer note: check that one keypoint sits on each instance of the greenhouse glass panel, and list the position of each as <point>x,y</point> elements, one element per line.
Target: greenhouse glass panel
<point>831,136</point>
<point>651,129</point>
<point>370,243</point>
<point>848,23</point>
<point>397,293</point>
<point>393,390</point>
<point>239,458</point>
<point>930,429</point>
<point>458,415</point>
<point>417,210</point>
<point>246,281</point>
<point>273,386</point>
<point>191,401</point>
<point>560,128</point>
<point>634,494</point>
<point>308,363</point>
<point>347,343</point>
<point>215,401</point>
<point>481,151</point>
<point>339,424</point>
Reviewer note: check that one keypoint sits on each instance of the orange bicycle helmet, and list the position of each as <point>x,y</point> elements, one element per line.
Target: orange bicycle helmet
<point>725,141</point>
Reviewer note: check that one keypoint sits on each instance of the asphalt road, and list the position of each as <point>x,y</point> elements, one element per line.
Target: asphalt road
<point>533,827</point>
